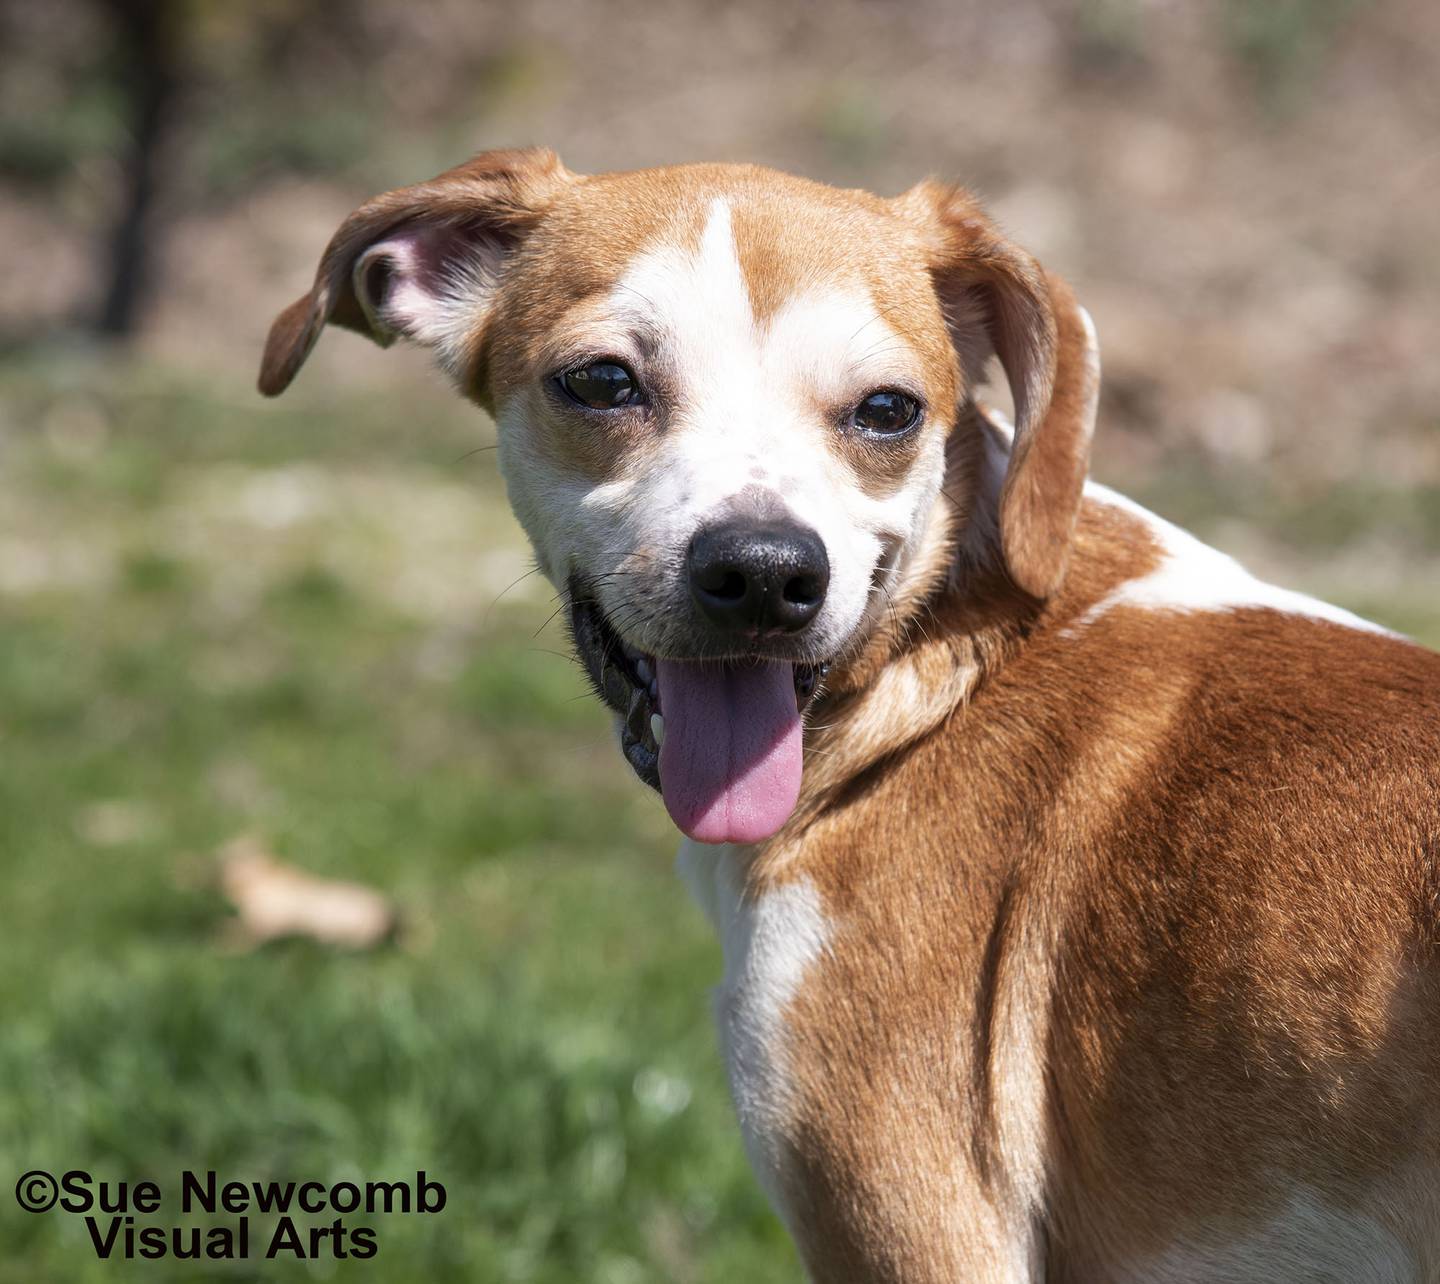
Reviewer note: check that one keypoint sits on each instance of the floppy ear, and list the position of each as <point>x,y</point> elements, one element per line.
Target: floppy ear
<point>997,299</point>
<point>415,262</point>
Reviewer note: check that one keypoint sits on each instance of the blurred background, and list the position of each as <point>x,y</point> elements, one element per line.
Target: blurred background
<point>306,624</point>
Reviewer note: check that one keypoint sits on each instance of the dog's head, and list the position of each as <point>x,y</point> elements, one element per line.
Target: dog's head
<point>723,398</point>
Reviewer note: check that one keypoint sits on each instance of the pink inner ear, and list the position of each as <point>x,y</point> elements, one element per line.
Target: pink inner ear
<point>423,278</point>
<point>400,286</point>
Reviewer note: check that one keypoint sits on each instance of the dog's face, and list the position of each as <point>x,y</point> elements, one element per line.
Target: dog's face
<point>723,397</point>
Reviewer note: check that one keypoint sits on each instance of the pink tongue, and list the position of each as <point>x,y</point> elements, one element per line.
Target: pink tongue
<point>730,764</point>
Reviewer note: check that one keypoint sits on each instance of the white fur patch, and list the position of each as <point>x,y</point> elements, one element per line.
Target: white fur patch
<point>1308,1240</point>
<point>1195,577</point>
<point>769,944</point>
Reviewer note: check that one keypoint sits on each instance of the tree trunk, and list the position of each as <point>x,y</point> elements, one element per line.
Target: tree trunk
<point>147,49</point>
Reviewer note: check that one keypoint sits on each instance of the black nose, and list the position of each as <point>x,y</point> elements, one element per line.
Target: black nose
<point>758,577</point>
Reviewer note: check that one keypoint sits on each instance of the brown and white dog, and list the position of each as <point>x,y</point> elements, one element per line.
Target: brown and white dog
<point>1079,893</point>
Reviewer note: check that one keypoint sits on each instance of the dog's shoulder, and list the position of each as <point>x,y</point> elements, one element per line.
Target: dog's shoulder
<point>1158,625</point>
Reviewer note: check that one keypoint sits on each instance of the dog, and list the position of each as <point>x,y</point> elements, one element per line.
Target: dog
<point>1079,892</point>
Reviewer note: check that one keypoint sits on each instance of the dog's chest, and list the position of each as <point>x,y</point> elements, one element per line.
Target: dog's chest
<point>770,943</point>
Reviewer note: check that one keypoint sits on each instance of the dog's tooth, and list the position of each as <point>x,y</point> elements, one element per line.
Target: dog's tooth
<point>657,729</point>
<point>643,670</point>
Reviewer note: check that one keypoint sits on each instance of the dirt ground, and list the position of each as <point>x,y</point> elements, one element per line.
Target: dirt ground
<point>1244,194</point>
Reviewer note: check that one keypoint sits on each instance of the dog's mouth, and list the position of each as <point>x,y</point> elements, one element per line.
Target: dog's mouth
<point>720,739</point>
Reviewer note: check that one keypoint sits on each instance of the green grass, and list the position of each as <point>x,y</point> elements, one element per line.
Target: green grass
<point>222,617</point>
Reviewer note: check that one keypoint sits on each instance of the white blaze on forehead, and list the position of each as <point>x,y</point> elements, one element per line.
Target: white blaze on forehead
<point>751,406</point>
<point>824,339</point>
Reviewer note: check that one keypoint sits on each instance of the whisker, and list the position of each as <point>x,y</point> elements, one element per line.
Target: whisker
<point>485,619</point>
<point>549,620</point>
<point>568,657</point>
<point>879,315</point>
<point>479,450</point>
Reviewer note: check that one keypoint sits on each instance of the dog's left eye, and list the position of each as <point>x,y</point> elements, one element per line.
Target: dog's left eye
<point>886,414</point>
<point>605,385</point>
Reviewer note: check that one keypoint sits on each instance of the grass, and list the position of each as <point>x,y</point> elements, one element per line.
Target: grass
<point>310,621</point>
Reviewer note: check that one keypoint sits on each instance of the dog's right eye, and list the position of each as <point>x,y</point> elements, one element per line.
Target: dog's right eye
<point>605,385</point>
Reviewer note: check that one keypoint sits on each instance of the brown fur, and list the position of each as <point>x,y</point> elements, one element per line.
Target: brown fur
<point>1207,848</point>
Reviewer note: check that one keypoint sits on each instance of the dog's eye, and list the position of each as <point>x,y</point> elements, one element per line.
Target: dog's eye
<point>602,386</point>
<point>886,414</point>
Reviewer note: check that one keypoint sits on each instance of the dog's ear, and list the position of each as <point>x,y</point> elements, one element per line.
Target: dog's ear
<point>399,264</point>
<point>998,300</point>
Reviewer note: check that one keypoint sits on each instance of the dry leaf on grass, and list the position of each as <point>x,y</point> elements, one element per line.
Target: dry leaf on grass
<point>275,900</point>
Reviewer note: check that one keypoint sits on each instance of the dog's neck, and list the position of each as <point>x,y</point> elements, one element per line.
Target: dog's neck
<point>952,617</point>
